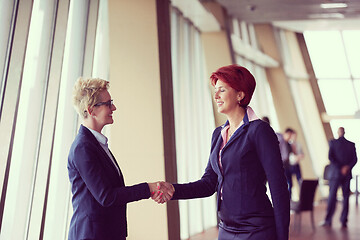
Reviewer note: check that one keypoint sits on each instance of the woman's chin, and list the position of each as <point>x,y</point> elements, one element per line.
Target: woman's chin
<point>111,121</point>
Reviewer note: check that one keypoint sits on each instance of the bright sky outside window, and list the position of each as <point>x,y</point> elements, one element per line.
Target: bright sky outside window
<point>338,96</point>
<point>327,54</point>
<point>335,59</point>
<point>352,40</point>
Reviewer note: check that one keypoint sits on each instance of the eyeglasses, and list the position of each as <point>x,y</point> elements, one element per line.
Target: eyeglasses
<point>107,103</point>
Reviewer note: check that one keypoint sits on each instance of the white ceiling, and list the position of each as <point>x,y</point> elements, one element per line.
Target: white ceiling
<point>319,25</point>
<point>297,15</point>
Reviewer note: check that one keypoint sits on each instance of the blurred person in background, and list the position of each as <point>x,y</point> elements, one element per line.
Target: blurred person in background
<point>342,156</point>
<point>295,157</point>
<point>286,150</point>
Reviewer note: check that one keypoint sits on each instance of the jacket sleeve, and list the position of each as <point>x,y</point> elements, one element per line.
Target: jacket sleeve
<point>269,154</point>
<point>204,187</point>
<point>354,157</point>
<point>86,162</point>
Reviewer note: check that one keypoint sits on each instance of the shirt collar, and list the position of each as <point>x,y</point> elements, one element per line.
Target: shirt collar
<point>249,117</point>
<point>251,114</point>
<point>100,137</point>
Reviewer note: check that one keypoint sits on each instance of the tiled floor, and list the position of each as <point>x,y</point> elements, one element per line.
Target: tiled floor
<point>306,232</point>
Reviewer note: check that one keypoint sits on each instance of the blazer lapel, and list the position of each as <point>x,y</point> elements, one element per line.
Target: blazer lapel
<point>116,165</point>
<point>215,154</point>
<point>105,158</point>
<point>241,130</point>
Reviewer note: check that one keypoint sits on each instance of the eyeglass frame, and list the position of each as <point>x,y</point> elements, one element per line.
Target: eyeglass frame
<point>107,103</point>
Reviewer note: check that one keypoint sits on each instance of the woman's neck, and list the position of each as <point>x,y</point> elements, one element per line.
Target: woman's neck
<point>236,117</point>
<point>92,124</point>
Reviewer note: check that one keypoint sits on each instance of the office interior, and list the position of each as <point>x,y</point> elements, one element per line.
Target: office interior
<point>158,56</point>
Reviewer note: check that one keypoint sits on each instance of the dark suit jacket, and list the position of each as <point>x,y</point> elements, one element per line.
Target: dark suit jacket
<point>99,193</point>
<point>251,157</point>
<point>341,152</point>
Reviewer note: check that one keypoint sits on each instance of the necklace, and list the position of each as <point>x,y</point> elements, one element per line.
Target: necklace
<point>230,133</point>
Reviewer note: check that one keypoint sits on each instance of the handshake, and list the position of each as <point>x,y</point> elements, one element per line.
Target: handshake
<point>161,192</point>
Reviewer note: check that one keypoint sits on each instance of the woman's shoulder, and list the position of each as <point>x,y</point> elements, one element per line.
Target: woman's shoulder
<point>258,123</point>
<point>217,131</point>
<point>83,141</point>
<point>260,128</point>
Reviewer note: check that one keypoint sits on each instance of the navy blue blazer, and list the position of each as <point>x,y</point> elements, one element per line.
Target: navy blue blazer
<point>99,192</point>
<point>341,152</point>
<point>251,157</point>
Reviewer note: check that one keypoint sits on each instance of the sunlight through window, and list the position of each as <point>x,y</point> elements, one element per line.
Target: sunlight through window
<point>335,58</point>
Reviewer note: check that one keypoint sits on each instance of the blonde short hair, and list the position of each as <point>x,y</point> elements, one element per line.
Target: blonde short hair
<point>86,93</point>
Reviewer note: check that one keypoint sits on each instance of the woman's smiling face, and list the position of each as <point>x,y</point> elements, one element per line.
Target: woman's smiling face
<point>104,112</point>
<point>227,98</point>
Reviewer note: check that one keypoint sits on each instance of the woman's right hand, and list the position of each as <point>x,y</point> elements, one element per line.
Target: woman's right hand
<point>161,192</point>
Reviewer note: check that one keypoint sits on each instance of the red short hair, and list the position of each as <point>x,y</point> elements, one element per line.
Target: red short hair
<point>237,77</point>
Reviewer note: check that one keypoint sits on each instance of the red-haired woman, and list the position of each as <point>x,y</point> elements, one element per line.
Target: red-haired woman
<point>244,155</point>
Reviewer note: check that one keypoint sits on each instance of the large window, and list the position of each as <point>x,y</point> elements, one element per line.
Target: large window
<point>45,45</point>
<point>194,119</point>
<point>335,58</point>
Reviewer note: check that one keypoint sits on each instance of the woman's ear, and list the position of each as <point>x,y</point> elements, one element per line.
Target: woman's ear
<point>241,96</point>
<point>89,110</point>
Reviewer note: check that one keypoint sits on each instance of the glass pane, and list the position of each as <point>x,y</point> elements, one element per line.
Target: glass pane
<point>57,215</point>
<point>338,96</point>
<point>262,101</point>
<point>357,91</point>
<point>327,54</point>
<point>24,165</point>
<point>191,85</point>
<point>6,11</point>
<point>102,51</point>
<point>351,40</point>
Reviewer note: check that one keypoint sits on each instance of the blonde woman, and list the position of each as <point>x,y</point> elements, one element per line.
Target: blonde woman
<point>97,184</point>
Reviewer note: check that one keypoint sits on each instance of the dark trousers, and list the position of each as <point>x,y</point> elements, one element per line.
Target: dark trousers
<point>295,169</point>
<point>289,171</point>
<point>334,184</point>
